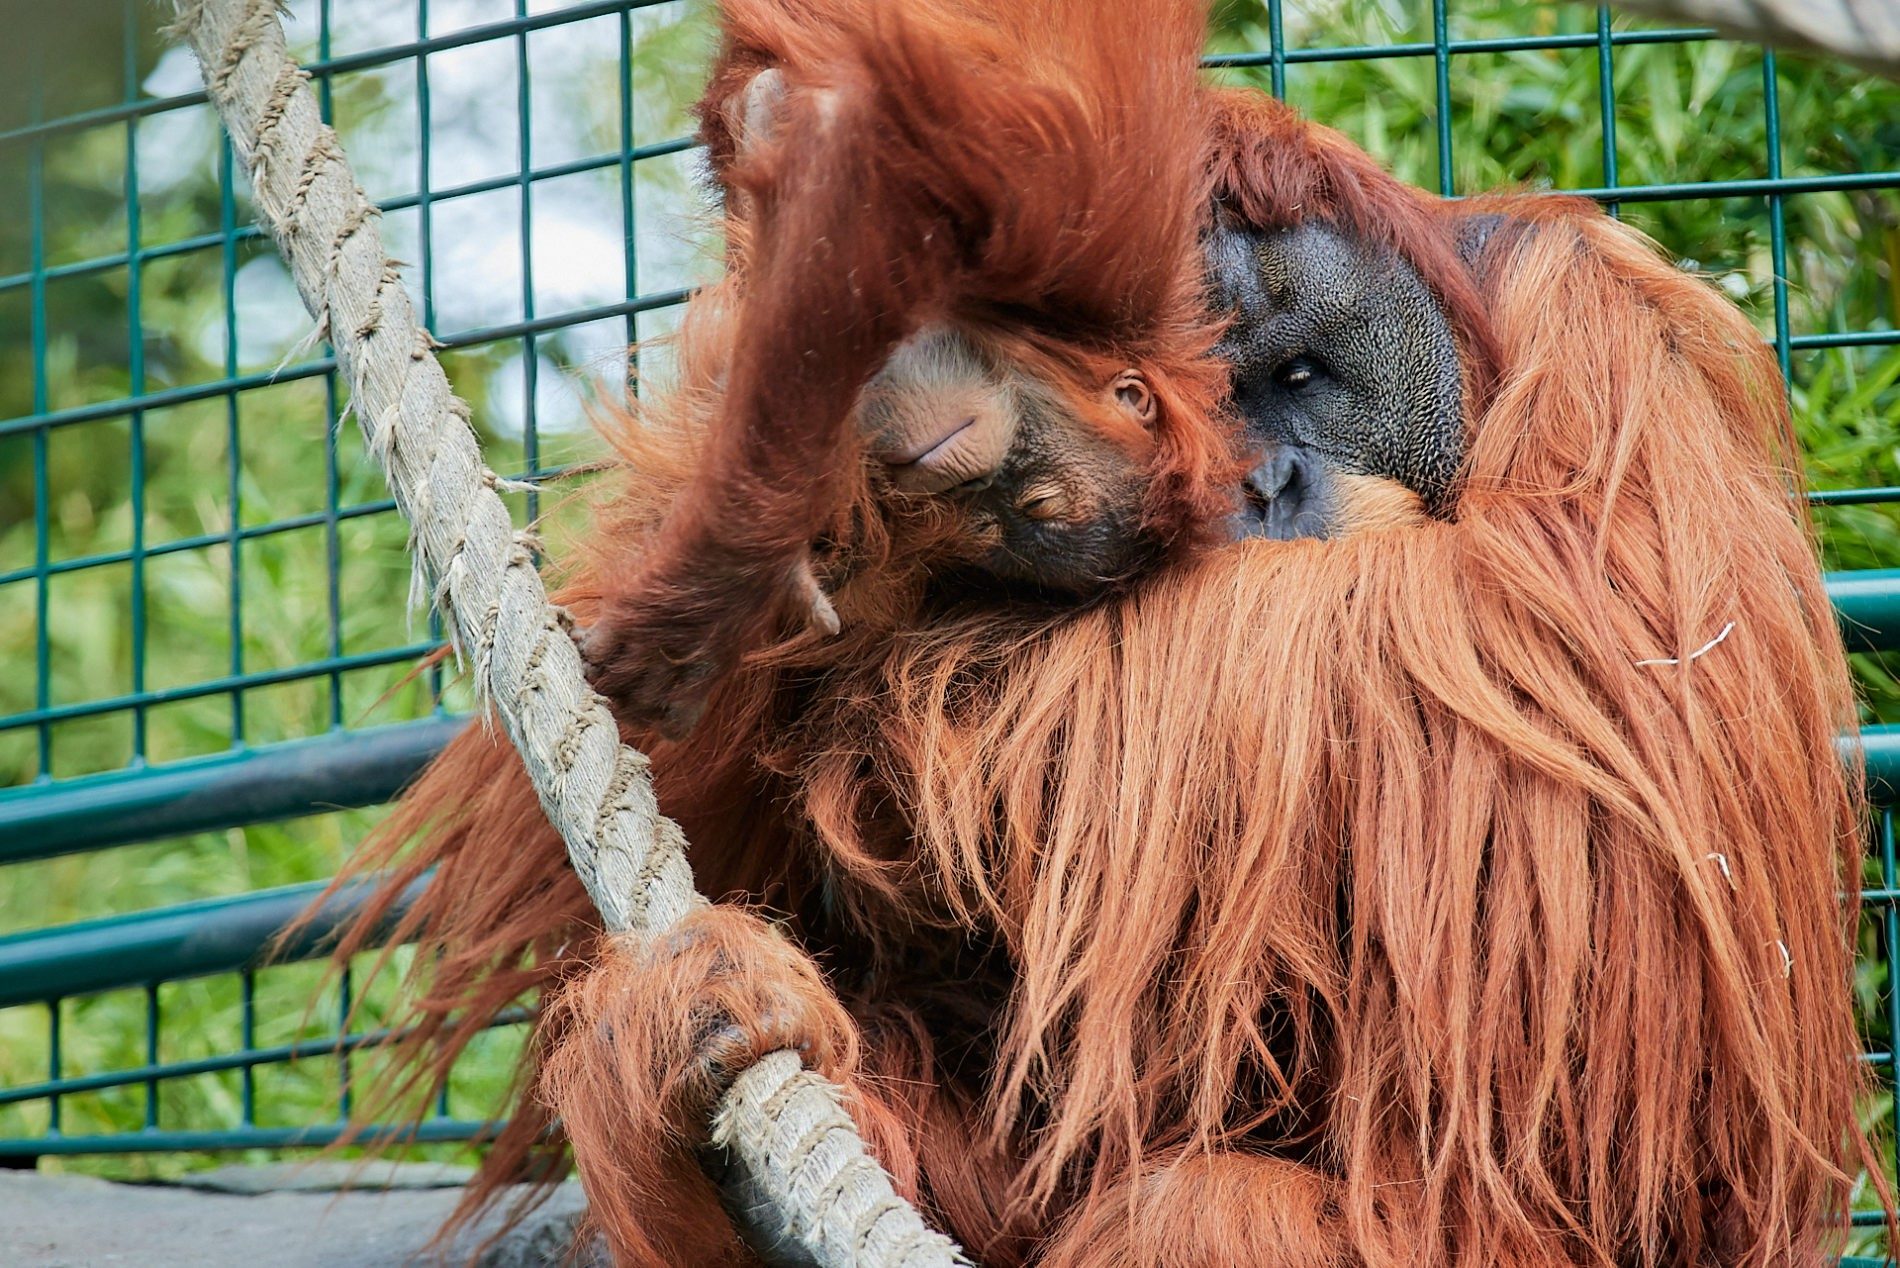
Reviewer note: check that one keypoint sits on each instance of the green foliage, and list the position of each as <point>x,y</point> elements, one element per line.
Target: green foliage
<point>264,466</point>
<point>1683,113</point>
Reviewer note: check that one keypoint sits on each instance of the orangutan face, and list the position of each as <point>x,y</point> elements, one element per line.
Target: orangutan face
<point>1048,474</point>
<point>1346,375</point>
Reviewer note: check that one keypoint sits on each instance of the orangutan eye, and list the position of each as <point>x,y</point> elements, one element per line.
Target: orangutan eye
<point>1296,374</point>
<point>1044,502</point>
<point>1134,395</point>
<point>974,485</point>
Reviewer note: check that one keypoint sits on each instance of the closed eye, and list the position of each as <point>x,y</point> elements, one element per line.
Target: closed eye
<point>1043,502</point>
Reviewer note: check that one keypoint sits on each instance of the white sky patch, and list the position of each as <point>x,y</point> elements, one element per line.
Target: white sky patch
<point>576,248</point>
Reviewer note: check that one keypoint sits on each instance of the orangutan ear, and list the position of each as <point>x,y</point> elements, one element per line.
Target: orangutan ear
<point>757,110</point>
<point>1134,397</point>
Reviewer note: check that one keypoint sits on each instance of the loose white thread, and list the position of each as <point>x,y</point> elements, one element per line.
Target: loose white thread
<point>1721,862</point>
<point>1700,651</point>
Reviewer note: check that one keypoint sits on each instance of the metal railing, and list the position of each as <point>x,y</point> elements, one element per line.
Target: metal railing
<point>100,757</point>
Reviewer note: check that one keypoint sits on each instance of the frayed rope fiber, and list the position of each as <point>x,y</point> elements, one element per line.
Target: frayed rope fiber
<point>784,1126</point>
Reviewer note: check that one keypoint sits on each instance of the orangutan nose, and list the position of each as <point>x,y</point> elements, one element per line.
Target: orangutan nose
<point>1287,495</point>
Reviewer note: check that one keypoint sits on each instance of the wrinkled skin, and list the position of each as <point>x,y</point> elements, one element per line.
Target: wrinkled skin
<point>1347,385</point>
<point>1345,372</point>
<point>1050,499</point>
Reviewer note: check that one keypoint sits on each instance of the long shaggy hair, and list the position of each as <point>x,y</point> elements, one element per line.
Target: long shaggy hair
<point>1014,168</point>
<point>1439,857</point>
<point>1066,236</point>
<point>1475,884</point>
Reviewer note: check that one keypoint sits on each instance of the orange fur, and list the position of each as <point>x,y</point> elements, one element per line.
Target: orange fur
<point>1376,876</point>
<point>635,1083</point>
<point>992,161</point>
<point>1526,1014</point>
<point>1209,1209</point>
<point>1369,504</point>
<point>1099,272</point>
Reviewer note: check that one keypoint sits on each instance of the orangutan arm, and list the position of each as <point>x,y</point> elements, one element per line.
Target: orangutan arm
<point>913,172</point>
<point>731,566</point>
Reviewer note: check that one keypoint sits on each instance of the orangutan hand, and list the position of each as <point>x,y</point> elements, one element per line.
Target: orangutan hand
<point>658,666</point>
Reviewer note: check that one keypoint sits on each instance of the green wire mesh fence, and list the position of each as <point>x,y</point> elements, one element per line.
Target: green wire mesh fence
<point>210,666</point>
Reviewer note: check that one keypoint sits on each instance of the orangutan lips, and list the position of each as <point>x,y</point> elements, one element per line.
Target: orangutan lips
<point>923,451</point>
<point>935,464</point>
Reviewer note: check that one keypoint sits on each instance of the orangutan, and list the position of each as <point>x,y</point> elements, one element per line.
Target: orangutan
<point>1434,887</point>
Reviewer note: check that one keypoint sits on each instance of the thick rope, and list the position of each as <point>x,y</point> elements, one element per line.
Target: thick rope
<point>784,1126</point>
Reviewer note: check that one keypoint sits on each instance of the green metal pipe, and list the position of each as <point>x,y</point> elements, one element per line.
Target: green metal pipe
<point>428,1131</point>
<point>256,785</point>
<point>215,935</point>
<point>1881,746</point>
<point>359,768</point>
<point>1868,605</point>
<point>247,1057</point>
<point>229,934</point>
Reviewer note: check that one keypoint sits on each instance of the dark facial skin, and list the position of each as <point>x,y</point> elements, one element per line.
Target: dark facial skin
<point>1050,501</point>
<point>1347,380</point>
<point>1346,377</point>
<point>1344,369</point>
<point>1064,511</point>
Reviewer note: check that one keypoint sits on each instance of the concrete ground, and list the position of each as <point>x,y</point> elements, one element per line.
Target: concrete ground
<point>283,1216</point>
